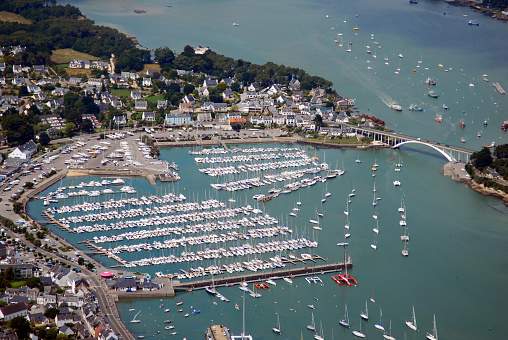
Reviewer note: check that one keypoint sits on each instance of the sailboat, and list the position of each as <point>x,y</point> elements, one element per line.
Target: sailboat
<point>277,330</point>
<point>380,324</point>
<point>312,326</point>
<point>412,324</point>
<point>346,212</point>
<point>358,159</point>
<point>373,245</point>
<point>389,336</point>
<point>405,251</point>
<point>433,336</point>
<point>211,289</point>
<point>359,333</point>
<point>134,320</point>
<point>243,336</point>
<point>320,336</point>
<point>376,228</point>
<point>345,322</point>
<point>365,315</point>
<point>327,194</point>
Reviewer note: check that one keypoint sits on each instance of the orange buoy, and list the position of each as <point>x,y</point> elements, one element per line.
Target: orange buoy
<point>414,70</point>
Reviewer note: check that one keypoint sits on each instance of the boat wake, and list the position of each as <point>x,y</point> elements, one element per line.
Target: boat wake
<point>386,99</point>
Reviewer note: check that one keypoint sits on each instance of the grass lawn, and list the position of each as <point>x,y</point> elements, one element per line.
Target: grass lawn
<point>121,92</point>
<point>18,284</point>
<point>154,99</point>
<point>151,67</point>
<point>66,55</point>
<point>13,17</point>
<point>77,71</point>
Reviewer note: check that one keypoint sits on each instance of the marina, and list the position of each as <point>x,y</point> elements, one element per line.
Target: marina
<point>446,220</point>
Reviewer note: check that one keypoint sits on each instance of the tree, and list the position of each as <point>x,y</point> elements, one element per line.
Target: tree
<point>164,56</point>
<point>81,261</point>
<point>44,139</point>
<point>21,325</point>
<point>318,119</point>
<point>69,129</point>
<point>482,159</point>
<point>87,126</point>
<point>222,86</point>
<point>17,207</point>
<point>90,266</point>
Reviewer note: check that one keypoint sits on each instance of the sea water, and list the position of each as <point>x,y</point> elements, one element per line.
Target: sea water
<point>456,267</point>
<point>298,34</point>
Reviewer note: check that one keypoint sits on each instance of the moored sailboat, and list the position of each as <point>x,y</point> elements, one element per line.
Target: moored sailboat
<point>433,336</point>
<point>412,324</point>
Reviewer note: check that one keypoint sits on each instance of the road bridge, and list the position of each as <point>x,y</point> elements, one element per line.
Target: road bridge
<point>394,139</point>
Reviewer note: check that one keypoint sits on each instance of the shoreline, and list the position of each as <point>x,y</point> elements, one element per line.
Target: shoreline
<point>449,170</point>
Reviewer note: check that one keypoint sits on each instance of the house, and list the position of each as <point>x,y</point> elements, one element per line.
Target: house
<point>76,63</point>
<point>18,81</point>
<point>136,95</point>
<point>151,285</point>
<point>279,119</point>
<point>40,69</point>
<point>172,119</point>
<point>39,96</point>
<point>317,92</point>
<point>152,73</point>
<point>66,330</point>
<point>204,117</point>
<point>148,116</point>
<point>227,81</point>
<point>214,107</point>
<point>146,82</point>
<point>228,94</point>
<point>141,105</point>
<point>33,89</point>
<point>24,151</point>
<point>55,121</point>
<point>120,120</point>
<point>59,91</point>
<point>39,319</point>
<point>203,91</point>
<point>185,108</point>
<point>210,83</point>
<point>102,65</point>
<point>294,85</point>
<point>53,104</point>
<point>291,120</point>
<point>162,104</point>
<point>62,319</point>
<point>129,75</point>
<point>274,89</point>
<point>74,81</point>
<point>250,107</point>
<point>17,69</point>
<point>126,284</point>
<point>189,99</point>
<point>316,102</point>
<point>253,87</point>
<point>14,310</point>
<point>96,82</point>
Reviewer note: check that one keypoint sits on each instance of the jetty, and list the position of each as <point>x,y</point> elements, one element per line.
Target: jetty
<point>253,277</point>
<point>102,251</point>
<point>58,223</point>
<point>499,88</point>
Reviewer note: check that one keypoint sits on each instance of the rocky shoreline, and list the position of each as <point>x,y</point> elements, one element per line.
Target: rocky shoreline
<point>486,191</point>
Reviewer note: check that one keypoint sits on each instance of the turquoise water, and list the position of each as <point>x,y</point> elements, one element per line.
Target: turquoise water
<point>457,267</point>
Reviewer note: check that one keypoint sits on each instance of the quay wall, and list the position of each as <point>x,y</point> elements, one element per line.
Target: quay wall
<point>265,275</point>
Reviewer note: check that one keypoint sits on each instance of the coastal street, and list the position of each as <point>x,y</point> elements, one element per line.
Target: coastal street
<point>107,305</point>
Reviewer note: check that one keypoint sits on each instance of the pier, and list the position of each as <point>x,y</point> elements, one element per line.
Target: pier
<point>101,251</point>
<point>298,185</point>
<point>499,88</point>
<point>59,224</point>
<point>292,272</point>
